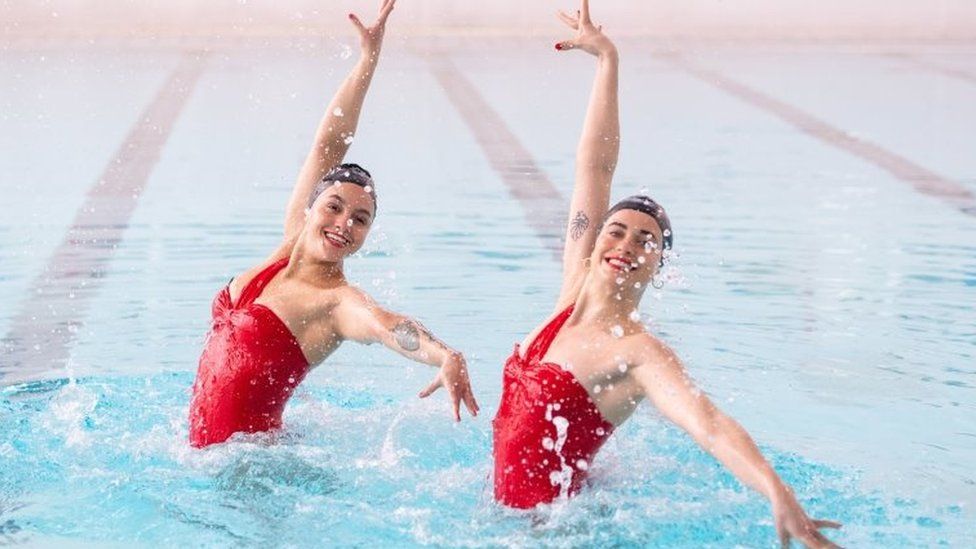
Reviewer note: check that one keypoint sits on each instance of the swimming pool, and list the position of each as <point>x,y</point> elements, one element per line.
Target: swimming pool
<point>823,294</point>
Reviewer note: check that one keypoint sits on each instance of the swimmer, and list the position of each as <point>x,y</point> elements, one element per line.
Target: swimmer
<point>277,320</point>
<point>582,373</point>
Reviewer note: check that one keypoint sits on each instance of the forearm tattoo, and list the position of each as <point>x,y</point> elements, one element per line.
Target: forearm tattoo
<point>406,335</point>
<point>578,225</point>
<point>408,332</point>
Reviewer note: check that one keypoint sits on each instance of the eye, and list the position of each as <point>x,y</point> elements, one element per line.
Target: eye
<point>361,220</point>
<point>616,234</point>
<point>334,206</point>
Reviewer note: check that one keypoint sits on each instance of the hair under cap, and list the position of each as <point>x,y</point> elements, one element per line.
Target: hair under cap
<point>646,205</point>
<point>345,173</point>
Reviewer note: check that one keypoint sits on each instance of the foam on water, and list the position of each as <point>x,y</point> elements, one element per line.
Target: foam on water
<point>106,459</point>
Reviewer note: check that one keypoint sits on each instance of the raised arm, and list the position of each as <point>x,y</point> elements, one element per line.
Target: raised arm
<point>338,126</point>
<point>663,379</point>
<point>360,319</point>
<point>596,155</point>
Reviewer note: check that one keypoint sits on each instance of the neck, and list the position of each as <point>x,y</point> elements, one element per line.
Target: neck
<point>603,300</point>
<point>315,272</point>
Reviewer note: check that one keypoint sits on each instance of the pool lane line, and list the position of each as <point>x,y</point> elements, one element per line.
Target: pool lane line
<point>915,61</point>
<point>543,205</point>
<point>54,308</point>
<point>920,178</point>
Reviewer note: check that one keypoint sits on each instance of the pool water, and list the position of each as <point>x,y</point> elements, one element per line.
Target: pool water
<point>818,297</point>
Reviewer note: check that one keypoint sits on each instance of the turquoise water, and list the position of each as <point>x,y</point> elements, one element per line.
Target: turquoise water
<point>92,461</point>
<point>821,302</point>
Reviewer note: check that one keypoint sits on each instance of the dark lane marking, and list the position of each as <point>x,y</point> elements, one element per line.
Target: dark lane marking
<point>543,205</point>
<point>923,180</point>
<point>960,74</point>
<point>54,308</point>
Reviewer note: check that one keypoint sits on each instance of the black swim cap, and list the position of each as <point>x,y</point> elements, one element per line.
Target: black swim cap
<point>345,173</point>
<point>646,205</point>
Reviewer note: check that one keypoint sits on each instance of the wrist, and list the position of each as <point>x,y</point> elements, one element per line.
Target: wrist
<point>609,54</point>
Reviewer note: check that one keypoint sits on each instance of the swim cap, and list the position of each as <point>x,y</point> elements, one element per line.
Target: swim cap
<point>345,173</point>
<point>646,205</point>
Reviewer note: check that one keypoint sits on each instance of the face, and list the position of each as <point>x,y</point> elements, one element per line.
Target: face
<point>338,221</point>
<point>628,249</point>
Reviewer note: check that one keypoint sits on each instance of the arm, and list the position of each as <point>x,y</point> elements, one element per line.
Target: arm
<point>335,131</point>
<point>360,319</point>
<point>596,154</point>
<point>663,380</point>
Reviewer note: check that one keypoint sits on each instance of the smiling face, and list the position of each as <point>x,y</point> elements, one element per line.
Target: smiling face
<point>338,221</point>
<point>628,249</point>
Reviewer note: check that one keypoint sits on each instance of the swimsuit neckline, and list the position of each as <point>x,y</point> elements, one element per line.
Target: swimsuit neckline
<point>261,280</point>
<point>559,319</point>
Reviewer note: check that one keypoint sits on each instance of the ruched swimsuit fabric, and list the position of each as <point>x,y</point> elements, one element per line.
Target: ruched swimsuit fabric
<point>251,364</point>
<point>547,429</point>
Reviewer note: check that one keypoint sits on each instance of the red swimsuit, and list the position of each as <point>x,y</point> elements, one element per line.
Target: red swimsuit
<point>250,365</point>
<point>547,430</point>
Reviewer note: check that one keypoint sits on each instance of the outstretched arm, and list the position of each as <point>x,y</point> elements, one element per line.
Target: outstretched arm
<point>664,381</point>
<point>596,155</point>
<point>338,126</point>
<point>360,319</point>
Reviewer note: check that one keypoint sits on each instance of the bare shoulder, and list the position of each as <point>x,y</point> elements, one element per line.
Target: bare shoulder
<point>647,351</point>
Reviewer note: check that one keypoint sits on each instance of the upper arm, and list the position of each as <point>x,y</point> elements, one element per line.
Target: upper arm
<point>666,384</point>
<point>588,206</point>
<point>359,318</point>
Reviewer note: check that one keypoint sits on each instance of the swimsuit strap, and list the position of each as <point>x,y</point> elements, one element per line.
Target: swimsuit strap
<point>260,280</point>
<point>540,345</point>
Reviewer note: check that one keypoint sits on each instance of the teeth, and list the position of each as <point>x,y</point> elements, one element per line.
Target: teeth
<point>620,264</point>
<point>336,238</point>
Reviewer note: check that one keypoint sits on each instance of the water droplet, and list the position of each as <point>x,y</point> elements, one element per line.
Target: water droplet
<point>337,111</point>
<point>597,389</point>
<point>622,367</point>
<point>617,331</point>
<point>634,316</point>
<point>548,443</point>
<point>582,465</point>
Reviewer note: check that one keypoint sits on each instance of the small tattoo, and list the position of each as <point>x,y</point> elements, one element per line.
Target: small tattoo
<point>430,335</point>
<point>578,225</point>
<point>407,336</point>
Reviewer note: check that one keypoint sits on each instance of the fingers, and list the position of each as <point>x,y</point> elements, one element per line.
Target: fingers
<point>570,21</point>
<point>357,23</point>
<point>452,392</point>
<point>429,390</point>
<point>784,535</point>
<point>565,45</point>
<point>585,12</point>
<point>471,403</point>
<point>826,524</point>
<point>385,10</point>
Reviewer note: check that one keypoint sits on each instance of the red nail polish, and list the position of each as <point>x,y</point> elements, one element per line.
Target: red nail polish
<point>559,46</point>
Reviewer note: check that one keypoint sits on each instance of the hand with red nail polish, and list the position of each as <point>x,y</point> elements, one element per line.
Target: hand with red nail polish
<point>589,37</point>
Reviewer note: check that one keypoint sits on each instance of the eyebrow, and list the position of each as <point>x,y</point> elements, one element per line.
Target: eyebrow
<point>641,231</point>
<point>358,210</point>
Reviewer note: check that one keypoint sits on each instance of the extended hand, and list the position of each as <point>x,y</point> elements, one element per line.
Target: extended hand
<point>371,38</point>
<point>453,376</point>
<point>793,522</point>
<point>589,37</point>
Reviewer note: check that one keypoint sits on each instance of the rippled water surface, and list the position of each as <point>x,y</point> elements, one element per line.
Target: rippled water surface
<point>822,302</point>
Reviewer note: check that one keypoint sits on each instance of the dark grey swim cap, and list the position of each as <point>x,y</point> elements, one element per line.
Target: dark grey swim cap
<point>345,173</point>
<point>647,206</point>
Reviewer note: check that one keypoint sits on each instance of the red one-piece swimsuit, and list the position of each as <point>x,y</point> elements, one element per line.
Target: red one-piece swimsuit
<point>251,364</point>
<point>547,429</point>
